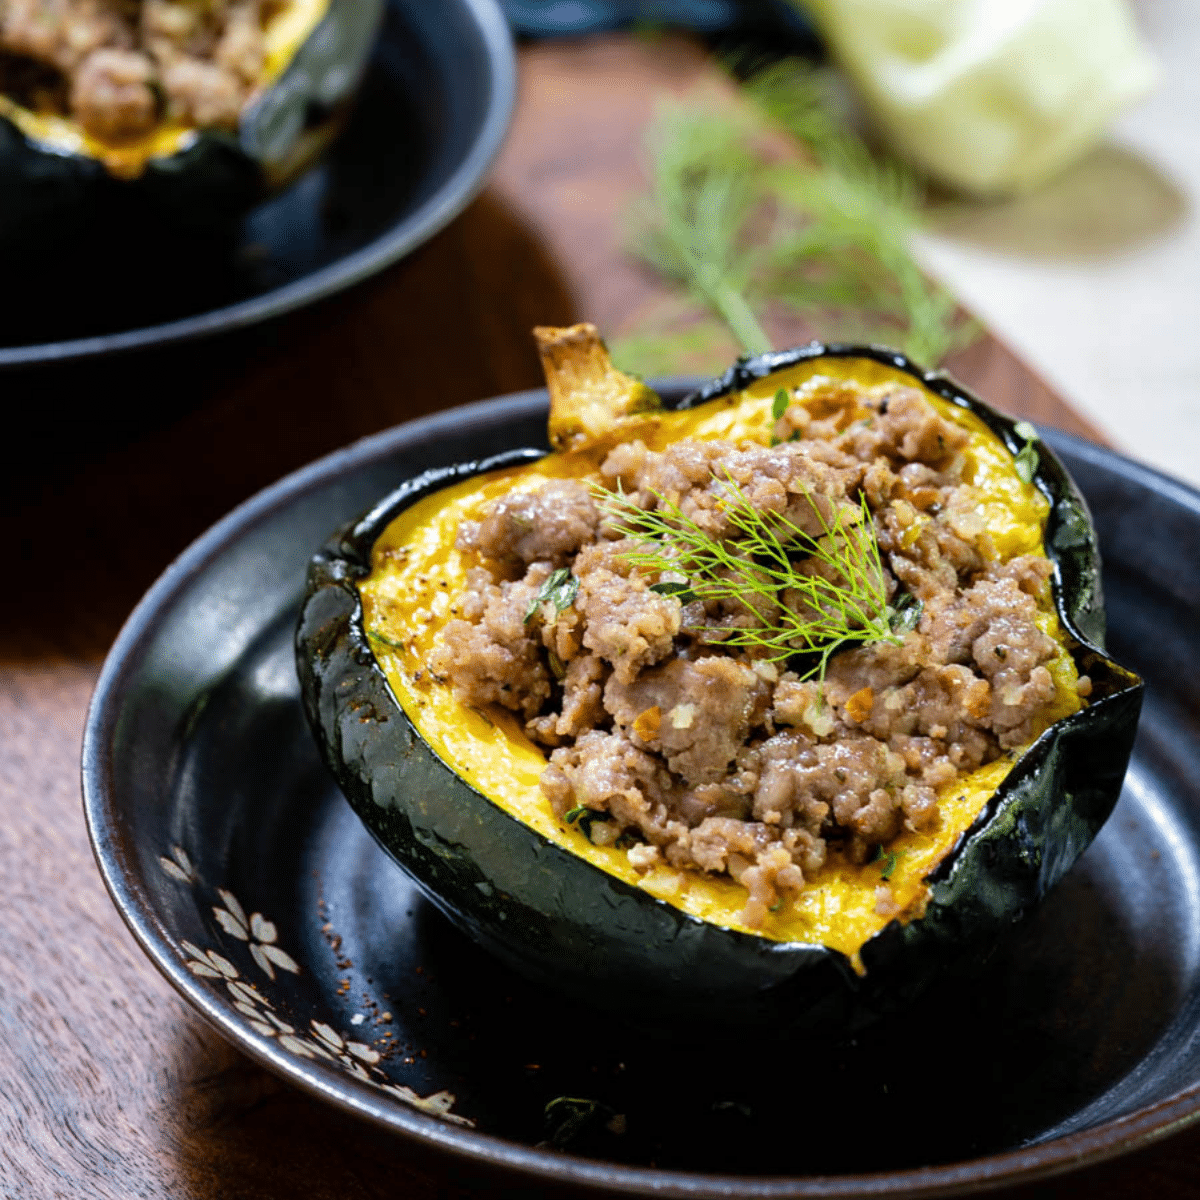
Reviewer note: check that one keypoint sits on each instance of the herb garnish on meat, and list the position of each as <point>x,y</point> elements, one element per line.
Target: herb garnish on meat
<point>809,595</point>
<point>560,589</point>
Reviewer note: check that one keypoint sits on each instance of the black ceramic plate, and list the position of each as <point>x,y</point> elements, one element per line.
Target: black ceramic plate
<point>430,117</point>
<point>260,896</point>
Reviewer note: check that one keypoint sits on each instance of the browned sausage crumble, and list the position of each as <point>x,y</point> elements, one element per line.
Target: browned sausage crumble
<point>710,757</point>
<point>118,67</point>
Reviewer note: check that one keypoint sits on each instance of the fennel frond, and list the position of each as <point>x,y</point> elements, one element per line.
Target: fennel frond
<point>823,231</point>
<point>805,594</point>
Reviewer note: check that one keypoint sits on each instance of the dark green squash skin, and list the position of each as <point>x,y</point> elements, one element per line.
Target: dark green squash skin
<point>565,923</point>
<point>46,193</point>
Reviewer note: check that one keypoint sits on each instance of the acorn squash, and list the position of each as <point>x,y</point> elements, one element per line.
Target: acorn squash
<point>452,793</point>
<point>54,174</point>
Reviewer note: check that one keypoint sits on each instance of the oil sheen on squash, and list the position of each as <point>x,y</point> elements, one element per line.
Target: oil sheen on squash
<point>283,35</point>
<point>416,570</point>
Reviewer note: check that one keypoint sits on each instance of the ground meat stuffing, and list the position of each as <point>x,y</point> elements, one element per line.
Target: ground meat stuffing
<point>699,754</point>
<point>125,65</point>
<point>549,525</point>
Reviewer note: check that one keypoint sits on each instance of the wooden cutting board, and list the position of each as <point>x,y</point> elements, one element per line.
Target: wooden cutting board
<point>109,1086</point>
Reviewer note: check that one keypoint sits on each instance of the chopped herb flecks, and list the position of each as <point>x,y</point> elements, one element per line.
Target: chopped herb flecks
<point>889,861</point>
<point>673,587</point>
<point>1026,459</point>
<point>568,1118</point>
<point>386,641</point>
<point>560,589</point>
<point>904,612</point>
<point>584,818</point>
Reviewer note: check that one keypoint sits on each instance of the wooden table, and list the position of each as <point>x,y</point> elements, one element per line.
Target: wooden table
<point>109,1086</point>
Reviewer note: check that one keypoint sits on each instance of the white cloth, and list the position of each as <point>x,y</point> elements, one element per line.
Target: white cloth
<point>989,96</point>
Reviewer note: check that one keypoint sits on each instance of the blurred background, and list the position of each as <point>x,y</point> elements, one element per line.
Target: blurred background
<point>1054,177</point>
<point>757,172</point>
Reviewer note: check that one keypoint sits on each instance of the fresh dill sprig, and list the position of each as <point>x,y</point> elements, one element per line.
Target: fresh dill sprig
<point>823,231</point>
<point>692,226</point>
<point>859,209</point>
<point>703,347</point>
<point>807,593</point>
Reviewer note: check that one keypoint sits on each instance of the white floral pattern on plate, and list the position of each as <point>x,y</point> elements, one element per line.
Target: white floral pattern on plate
<point>255,930</point>
<point>321,1040</point>
<point>178,866</point>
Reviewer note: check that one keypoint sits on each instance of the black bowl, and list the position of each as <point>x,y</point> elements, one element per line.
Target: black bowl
<point>261,897</point>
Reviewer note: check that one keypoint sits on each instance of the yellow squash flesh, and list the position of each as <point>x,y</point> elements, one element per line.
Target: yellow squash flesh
<point>416,572</point>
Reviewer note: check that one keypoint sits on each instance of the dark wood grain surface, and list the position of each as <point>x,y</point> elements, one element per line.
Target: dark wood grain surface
<point>109,1086</point>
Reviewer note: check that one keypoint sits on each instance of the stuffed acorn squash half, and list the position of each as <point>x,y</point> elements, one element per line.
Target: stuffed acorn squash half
<point>197,107</point>
<point>772,704</point>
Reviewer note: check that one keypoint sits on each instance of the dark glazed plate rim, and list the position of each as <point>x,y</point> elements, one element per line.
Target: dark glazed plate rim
<point>432,215</point>
<point>109,830</point>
